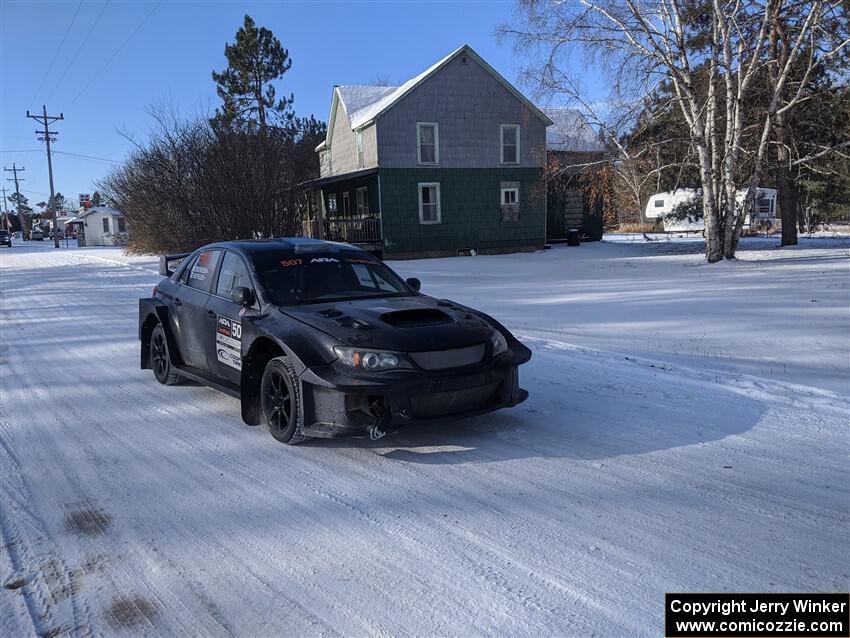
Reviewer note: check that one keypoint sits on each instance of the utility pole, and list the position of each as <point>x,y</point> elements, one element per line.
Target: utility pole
<point>45,136</point>
<point>15,170</point>
<point>6,212</point>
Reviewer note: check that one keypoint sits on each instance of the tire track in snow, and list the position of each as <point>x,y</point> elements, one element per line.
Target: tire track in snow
<point>96,376</point>
<point>350,509</point>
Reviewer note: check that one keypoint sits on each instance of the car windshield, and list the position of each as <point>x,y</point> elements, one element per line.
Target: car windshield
<point>291,278</point>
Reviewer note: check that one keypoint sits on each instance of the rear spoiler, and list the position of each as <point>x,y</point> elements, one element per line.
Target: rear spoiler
<point>169,263</point>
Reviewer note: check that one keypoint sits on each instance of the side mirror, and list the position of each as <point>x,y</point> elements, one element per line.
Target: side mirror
<point>414,283</point>
<point>242,295</point>
<point>163,266</point>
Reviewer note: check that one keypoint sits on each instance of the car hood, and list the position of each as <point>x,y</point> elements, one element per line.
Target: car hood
<point>405,324</point>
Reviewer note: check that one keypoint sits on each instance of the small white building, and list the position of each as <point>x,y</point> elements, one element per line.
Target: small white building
<point>101,226</point>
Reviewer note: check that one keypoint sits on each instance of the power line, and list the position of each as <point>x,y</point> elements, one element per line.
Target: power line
<point>83,43</point>
<point>88,157</point>
<point>114,55</point>
<point>59,48</point>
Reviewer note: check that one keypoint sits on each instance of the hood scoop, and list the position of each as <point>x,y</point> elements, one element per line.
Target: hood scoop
<point>330,313</point>
<point>342,319</point>
<point>415,318</point>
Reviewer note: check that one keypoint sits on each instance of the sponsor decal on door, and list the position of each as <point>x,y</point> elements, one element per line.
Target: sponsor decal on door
<point>228,342</point>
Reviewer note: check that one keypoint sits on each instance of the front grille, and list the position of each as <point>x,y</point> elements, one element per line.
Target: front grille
<point>444,359</point>
<point>434,404</point>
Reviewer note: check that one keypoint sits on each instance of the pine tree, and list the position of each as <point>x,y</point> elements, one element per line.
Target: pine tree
<point>254,61</point>
<point>58,202</point>
<point>21,204</point>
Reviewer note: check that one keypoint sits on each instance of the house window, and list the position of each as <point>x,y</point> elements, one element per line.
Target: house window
<point>429,203</point>
<point>346,204</point>
<point>659,203</point>
<point>358,137</point>
<point>106,224</point>
<point>510,143</point>
<point>362,195</point>
<point>509,202</point>
<point>122,225</point>
<point>428,142</point>
<point>332,204</point>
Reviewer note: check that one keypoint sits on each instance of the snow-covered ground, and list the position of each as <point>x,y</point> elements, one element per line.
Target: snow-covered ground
<point>688,429</point>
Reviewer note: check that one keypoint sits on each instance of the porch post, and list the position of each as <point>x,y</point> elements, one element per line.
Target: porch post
<point>320,211</point>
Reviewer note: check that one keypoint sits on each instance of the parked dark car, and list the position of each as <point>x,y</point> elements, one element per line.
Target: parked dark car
<point>5,238</point>
<point>320,339</point>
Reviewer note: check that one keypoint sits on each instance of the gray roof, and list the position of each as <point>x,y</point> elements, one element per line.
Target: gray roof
<point>361,101</point>
<point>571,132</point>
<point>365,103</point>
<point>104,210</point>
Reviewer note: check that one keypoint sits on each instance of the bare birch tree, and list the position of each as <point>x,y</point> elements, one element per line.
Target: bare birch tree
<point>711,52</point>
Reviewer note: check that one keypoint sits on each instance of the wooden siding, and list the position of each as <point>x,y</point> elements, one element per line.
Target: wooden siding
<point>469,104</point>
<point>342,156</point>
<point>470,211</point>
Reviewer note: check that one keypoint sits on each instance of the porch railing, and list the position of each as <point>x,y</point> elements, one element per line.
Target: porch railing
<point>352,231</point>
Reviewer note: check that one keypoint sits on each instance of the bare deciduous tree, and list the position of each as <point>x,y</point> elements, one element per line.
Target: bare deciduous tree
<point>711,52</point>
<point>192,183</point>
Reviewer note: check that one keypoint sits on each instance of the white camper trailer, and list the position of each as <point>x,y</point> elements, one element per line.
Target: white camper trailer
<point>763,214</point>
<point>661,206</point>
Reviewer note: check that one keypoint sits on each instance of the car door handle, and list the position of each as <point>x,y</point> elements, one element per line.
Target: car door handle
<point>177,301</point>
<point>211,313</point>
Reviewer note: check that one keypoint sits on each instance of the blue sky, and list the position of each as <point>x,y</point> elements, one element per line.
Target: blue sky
<point>141,53</point>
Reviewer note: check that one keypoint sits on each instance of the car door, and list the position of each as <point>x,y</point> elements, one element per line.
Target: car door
<point>224,349</point>
<point>191,324</point>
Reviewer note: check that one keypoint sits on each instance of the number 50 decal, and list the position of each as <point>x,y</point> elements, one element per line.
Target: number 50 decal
<point>236,330</point>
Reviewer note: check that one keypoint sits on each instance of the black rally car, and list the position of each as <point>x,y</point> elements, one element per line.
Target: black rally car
<point>322,339</point>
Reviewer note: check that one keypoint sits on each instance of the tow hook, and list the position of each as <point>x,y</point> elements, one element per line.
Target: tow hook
<point>376,432</point>
<point>378,429</point>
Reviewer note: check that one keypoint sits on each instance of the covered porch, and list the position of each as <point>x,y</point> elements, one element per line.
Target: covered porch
<point>345,208</point>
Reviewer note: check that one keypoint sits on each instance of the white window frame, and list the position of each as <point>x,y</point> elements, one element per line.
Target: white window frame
<point>502,128</point>
<point>419,126</point>
<point>332,210</point>
<point>502,201</point>
<point>436,186</point>
<point>362,206</point>
<point>358,139</point>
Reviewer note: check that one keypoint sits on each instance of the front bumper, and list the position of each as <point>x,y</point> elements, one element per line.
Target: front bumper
<point>338,405</point>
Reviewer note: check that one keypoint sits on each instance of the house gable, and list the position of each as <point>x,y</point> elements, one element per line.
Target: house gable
<point>469,102</point>
<point>339,152</point>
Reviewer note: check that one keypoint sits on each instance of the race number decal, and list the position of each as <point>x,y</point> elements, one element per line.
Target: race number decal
<point>228,342</point>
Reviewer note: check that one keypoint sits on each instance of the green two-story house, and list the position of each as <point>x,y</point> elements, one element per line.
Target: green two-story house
<point>448,163</point>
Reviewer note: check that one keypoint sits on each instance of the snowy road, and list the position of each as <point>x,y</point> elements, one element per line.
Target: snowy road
<point>130,507</point>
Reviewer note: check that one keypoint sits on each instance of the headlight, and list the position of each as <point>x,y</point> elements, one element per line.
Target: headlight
<point>371,360</point>
<point>500,345</point>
